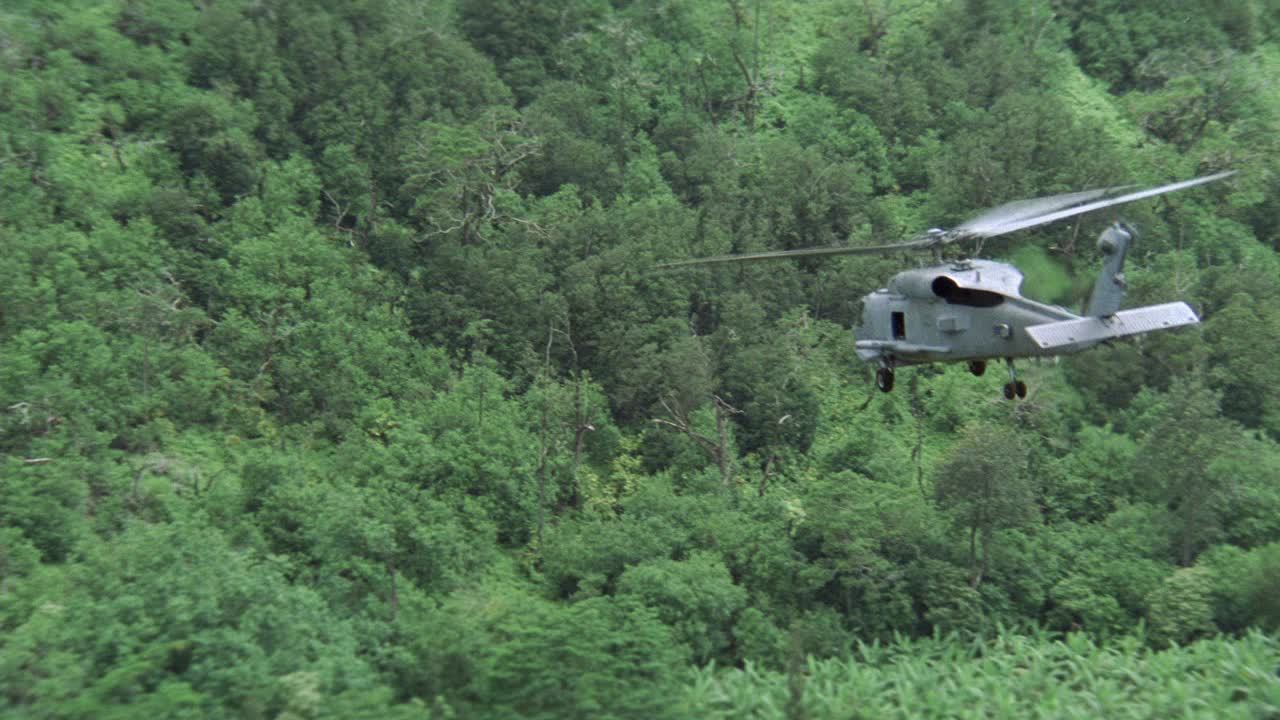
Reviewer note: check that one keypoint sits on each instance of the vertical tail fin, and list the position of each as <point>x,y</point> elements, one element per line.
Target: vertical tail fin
<point>1108,291</point>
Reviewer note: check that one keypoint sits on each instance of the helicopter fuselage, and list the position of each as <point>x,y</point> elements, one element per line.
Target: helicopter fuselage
<point>965,310</point>
<point>973,310</point>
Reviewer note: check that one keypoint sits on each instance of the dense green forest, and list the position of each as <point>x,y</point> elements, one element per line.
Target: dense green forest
<point>336,379</point>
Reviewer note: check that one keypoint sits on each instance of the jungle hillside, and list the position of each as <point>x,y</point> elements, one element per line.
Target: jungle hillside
<point>338,380</point>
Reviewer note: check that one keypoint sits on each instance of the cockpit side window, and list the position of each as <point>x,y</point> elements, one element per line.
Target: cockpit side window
<point>947,289</point>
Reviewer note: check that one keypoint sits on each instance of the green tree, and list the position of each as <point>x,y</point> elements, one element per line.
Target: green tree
<point>1247,379</point>
<point>170,618</point>
<point>1095,476</point>
<point>1184,434</point>
<point>595,658</point>
<point>853,534</point>
<point>982,481</point>
<point>695,596</point>
<point>1181,608</point>
<point>463,179</point>
<point>523,37</point>
<point>1244,586</point>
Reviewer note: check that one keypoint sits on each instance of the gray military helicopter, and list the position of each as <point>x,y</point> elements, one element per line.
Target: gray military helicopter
<point>970,310</point>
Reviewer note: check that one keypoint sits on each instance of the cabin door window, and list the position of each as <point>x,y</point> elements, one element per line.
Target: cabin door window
<point>899,322</point>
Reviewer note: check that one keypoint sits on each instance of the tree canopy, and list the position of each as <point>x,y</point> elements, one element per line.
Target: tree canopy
<point>338,380</point>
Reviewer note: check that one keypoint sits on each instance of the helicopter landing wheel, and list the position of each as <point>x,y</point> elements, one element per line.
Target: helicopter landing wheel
<point>884,379</point>
<point>978,367</point>
<point>1017,389</point>
<point>1014,387</point>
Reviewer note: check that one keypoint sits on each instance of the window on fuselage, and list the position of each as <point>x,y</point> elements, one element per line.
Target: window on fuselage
<point>899,321</point>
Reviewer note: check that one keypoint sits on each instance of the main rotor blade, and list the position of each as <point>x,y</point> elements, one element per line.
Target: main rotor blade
<point>1007,218</point>
<point>805,252</point>
<point>1034,220</point>
<point>1022,209</point>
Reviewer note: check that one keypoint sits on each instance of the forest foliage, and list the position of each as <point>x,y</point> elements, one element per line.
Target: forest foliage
<point>337,380</point>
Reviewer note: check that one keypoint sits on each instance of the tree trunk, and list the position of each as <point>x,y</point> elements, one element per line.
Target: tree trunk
<point>579,439</point>
<point>722,450</point>
<point>986,556</point>
<point>542,472</point>
<point>1188,532</point>
<point>975,574</point>
<point>395,595</point>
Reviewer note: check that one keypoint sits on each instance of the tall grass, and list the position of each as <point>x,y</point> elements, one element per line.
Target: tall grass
<point>1010,676</point>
